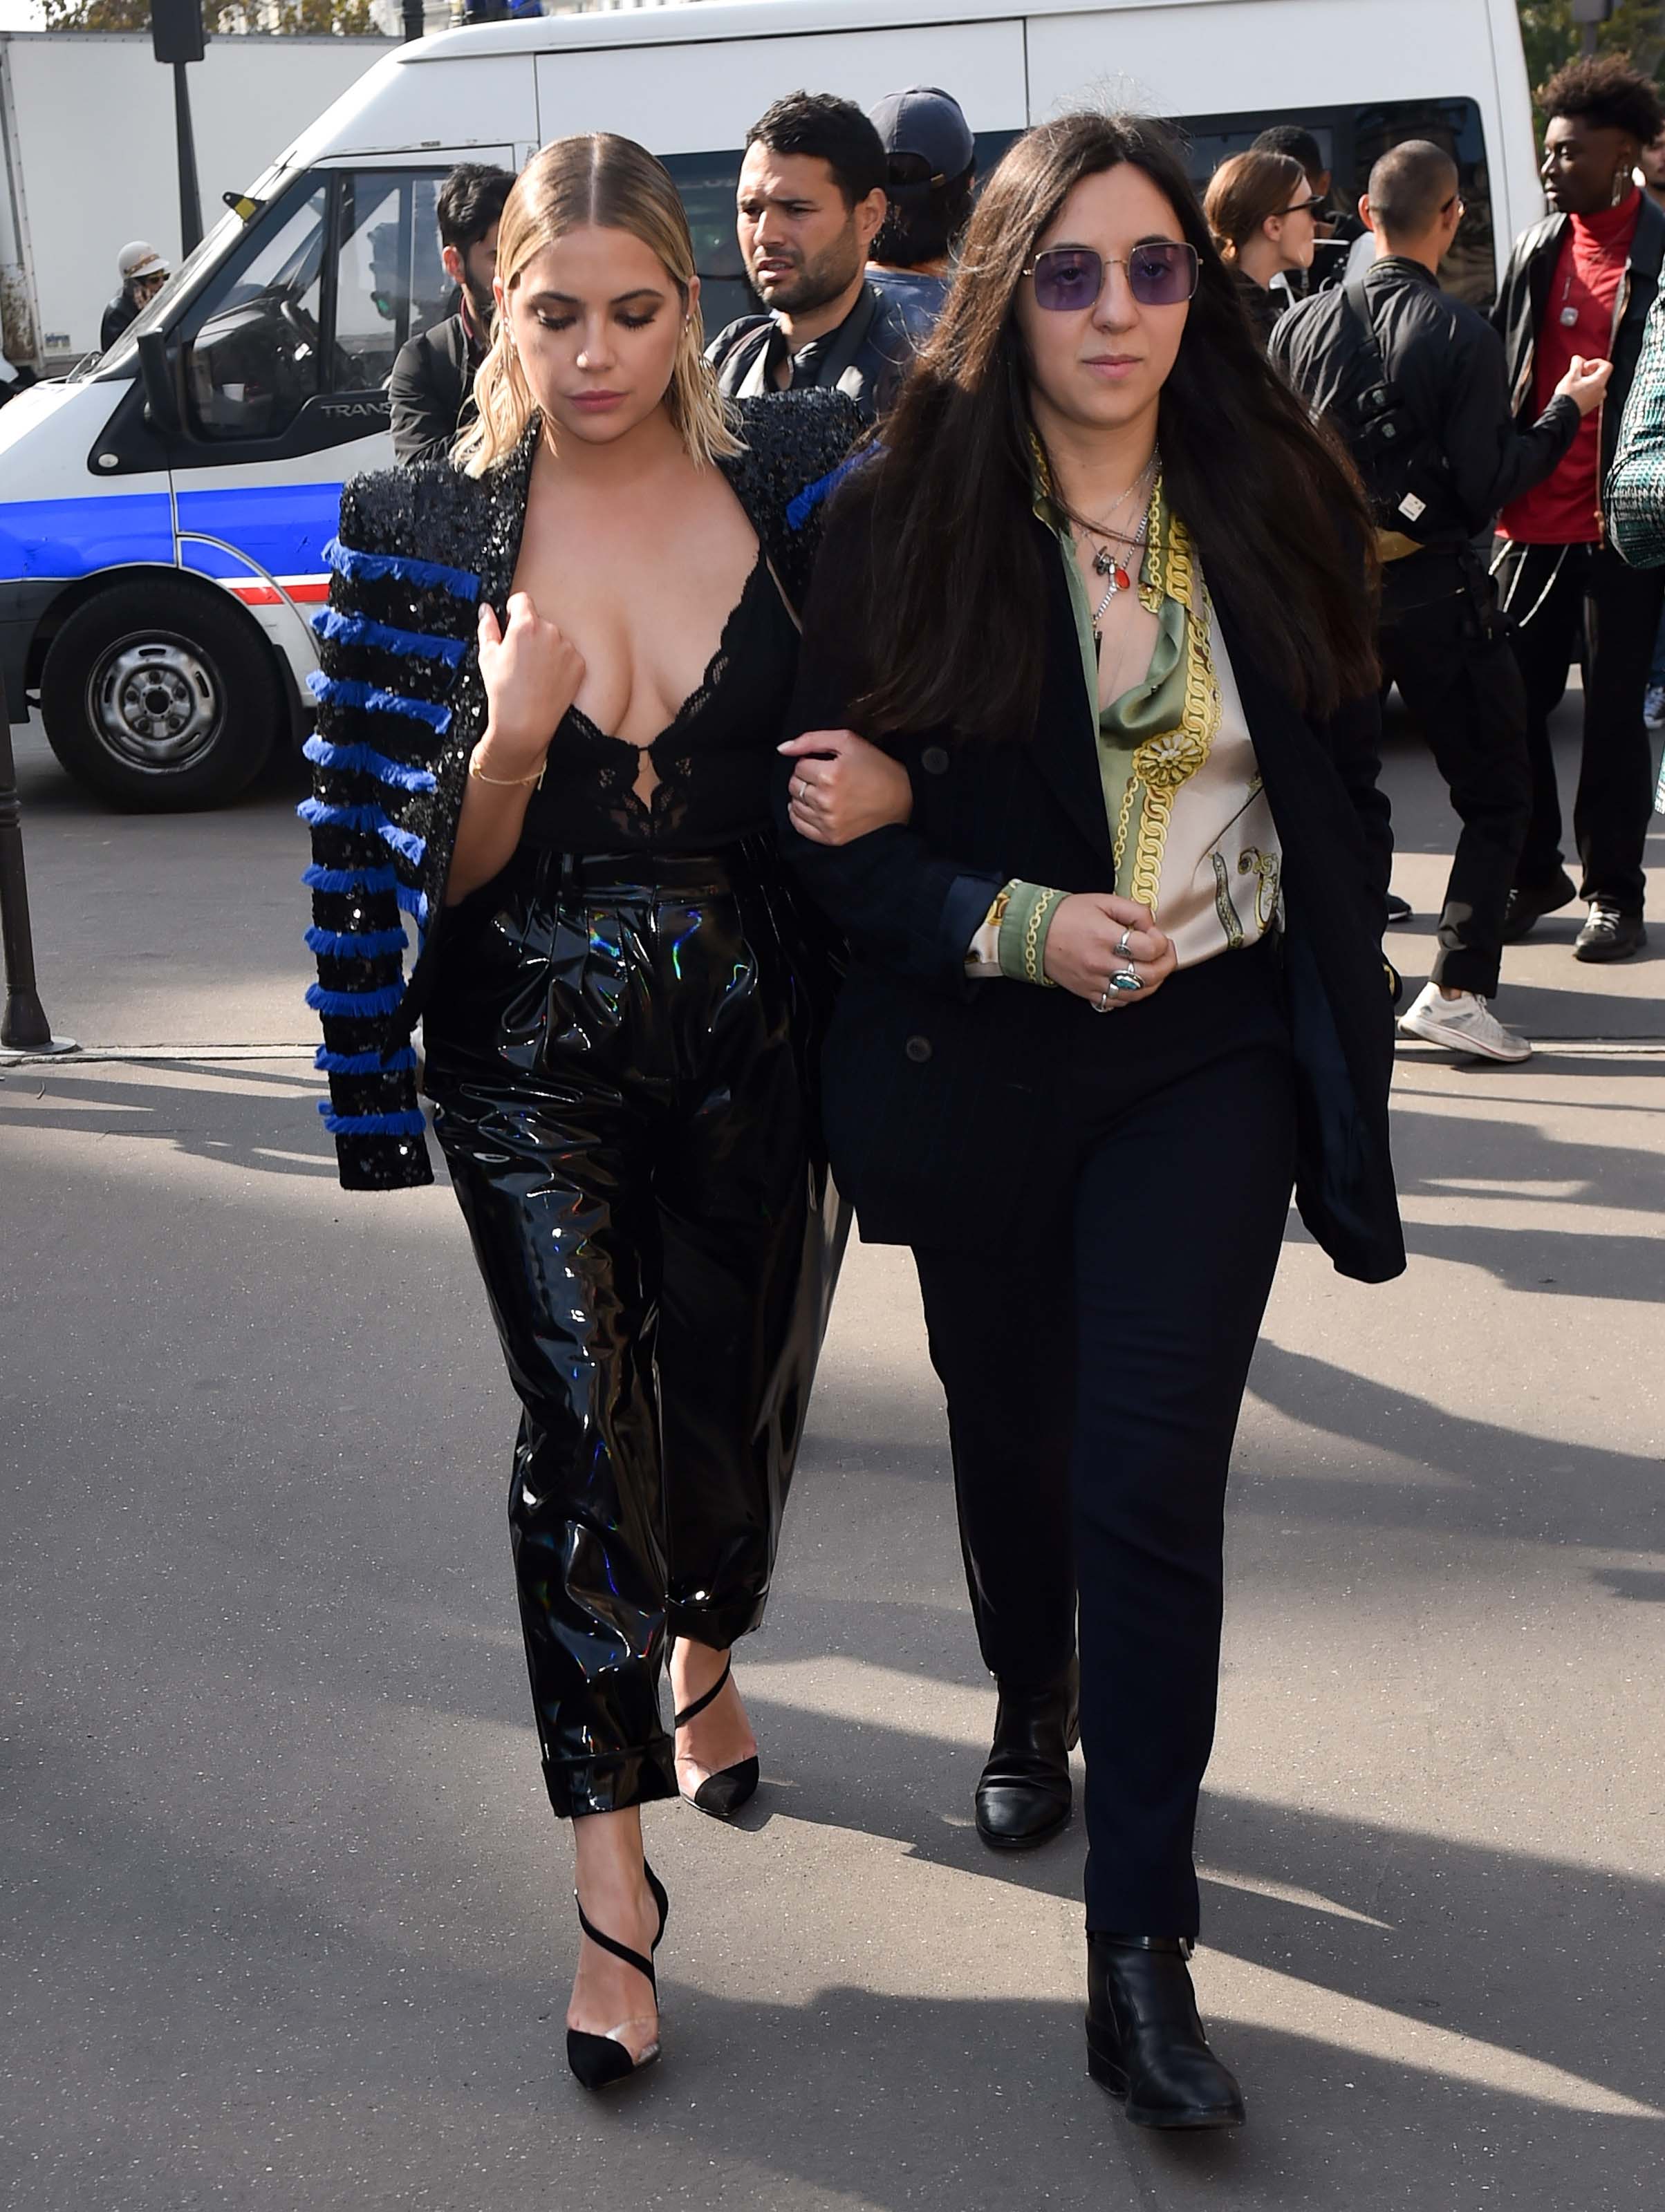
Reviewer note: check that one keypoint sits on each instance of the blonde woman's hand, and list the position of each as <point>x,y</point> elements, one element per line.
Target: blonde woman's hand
<point>842,787</point>
<point>531,672</point>
<point>1084,948</point>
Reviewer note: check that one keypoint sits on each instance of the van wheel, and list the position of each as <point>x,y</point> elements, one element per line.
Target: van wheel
<point>157,698</point>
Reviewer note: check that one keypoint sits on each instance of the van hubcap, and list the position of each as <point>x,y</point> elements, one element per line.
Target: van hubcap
<point>154,701</point>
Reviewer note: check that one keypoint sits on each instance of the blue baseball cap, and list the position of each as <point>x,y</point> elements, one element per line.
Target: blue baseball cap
<point>930,123</point>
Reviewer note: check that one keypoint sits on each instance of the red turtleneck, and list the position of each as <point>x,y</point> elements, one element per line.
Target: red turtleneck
<point>1565,509</point>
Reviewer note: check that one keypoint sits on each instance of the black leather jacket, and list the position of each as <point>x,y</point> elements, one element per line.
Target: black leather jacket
<point>400,707</point>
<point>1523,301</point>
<point>866,357</point>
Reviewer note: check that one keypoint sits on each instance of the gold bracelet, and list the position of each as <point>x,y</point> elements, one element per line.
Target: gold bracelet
<point>505,782</point>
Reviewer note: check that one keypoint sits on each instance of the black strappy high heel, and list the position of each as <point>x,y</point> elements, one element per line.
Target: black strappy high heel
<point>598,2061</point>
<point>722,1794</point>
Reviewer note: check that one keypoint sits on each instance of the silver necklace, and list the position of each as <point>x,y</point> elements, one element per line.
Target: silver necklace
<point>1104,560</point>
<point>1117,578</point>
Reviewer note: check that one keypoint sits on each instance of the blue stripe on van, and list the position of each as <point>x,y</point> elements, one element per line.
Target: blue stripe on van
<point>284,528</point>
<point>76,537</point>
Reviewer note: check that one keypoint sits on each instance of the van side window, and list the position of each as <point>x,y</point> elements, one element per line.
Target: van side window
<point>326,288</point>
<point>255,360</point>
<point>389,281</point>
<point>1351,139</point>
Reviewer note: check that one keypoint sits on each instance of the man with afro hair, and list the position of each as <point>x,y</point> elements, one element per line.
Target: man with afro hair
<point>1581,282</point>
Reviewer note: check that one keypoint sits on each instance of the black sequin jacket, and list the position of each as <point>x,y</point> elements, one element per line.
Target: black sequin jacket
<point>400,707</point>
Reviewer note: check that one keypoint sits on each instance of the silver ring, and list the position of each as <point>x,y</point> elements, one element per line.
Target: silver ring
<point>1127,979</point>
<point>1124,941</point>
<point>799,788</point>
<point>1102,1004</point>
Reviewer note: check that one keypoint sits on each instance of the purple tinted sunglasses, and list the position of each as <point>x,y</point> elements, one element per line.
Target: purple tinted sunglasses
<point>1160,275</point>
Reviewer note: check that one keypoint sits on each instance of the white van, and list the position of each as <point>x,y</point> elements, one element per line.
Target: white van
<point>163,515</point>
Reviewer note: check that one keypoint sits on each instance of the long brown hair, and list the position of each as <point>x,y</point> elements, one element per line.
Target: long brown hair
<point>953,600</point>
<point>618,186</point>
<point>1243,192</point>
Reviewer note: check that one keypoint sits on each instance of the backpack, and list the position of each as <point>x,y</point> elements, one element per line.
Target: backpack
<point>1404,472</point>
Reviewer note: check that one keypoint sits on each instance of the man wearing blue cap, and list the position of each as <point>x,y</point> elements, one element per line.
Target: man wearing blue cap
<point>931,164</point>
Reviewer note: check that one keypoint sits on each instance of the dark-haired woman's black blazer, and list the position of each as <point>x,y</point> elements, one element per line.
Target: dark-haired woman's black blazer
<point>941,1092</point>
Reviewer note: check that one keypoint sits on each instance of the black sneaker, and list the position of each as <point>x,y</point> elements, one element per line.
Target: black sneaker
<point>1608,934</point>
<point>1527,907</point>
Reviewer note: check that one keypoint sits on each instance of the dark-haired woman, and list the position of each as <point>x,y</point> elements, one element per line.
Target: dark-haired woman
<point>1263,216</point>
<point>1117,983</point>
<point>553,682</point>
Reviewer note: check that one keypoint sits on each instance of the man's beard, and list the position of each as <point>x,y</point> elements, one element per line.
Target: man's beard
<point>482,305</point>
<point>814,283</point>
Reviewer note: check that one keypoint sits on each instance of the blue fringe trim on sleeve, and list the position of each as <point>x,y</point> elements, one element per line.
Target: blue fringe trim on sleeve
<point>355,944</point>
<point>351,879</point>
<point>369,880</point>
<point>371,1125</point>
<point>799,512</point>
<point>359,629</point>
<point>370,699</point>
<point>368,818</point>
<point>372,568</point>
<point>354,1005</point>
<point>368,761</point>
<point>363,1063</point>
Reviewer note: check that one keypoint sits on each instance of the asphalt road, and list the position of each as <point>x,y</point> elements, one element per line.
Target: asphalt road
<point>289,1923</point>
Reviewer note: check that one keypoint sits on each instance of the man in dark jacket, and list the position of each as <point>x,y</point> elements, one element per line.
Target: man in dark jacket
<point>811,200</point>
<point>432,387</point>
<point>1582,282</point>
<point>143,273</point>
<point>930,179</point>
<point>1413,383</point>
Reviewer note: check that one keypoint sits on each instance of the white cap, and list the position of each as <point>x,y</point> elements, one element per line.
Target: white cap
<point>138,259</point>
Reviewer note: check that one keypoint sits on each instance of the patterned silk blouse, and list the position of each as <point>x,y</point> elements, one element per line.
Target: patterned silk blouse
<point>1193,836</point>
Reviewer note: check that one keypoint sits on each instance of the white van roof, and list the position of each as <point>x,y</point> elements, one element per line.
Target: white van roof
<point>738,19</point>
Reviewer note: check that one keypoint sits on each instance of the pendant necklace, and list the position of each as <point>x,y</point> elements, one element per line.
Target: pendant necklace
<point>1568,313</point>
<point>1105,561</point>
<point>1116,577</point>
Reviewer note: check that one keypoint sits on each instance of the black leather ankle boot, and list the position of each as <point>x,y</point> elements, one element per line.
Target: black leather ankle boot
<point>1144,2040</point>
<point>1023,1797</point>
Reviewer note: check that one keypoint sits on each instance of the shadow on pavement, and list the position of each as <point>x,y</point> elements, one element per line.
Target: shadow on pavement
<point>271,1124</point>
<point>285,2037</point>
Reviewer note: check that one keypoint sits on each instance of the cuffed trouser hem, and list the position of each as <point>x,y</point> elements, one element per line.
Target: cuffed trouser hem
<point>717,1625</point>
<point>1466,968</point>
<point>612,1781</point>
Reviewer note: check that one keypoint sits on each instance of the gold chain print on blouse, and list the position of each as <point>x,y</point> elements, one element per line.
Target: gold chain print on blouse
<point>1163,763</point>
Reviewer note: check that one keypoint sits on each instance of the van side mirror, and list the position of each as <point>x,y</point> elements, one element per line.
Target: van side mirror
<point>161,395</point>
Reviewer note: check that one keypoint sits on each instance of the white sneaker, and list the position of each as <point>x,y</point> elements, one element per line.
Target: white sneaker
<point>1465,1024</point>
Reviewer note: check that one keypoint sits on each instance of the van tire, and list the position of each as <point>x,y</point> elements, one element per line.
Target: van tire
<point>161,698</point>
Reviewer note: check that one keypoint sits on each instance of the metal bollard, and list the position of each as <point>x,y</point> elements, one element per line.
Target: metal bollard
<point>24,1027</point>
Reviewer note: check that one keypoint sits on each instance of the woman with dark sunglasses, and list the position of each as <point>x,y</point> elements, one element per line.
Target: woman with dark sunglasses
<point>1263,215</point>
<point>1114,984</point>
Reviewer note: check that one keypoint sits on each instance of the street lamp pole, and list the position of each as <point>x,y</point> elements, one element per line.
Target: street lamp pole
<point>1589,15</point>
<point>24,1026</point>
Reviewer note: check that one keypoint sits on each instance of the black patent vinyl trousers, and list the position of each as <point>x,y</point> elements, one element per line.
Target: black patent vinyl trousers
<point>619,1055</point>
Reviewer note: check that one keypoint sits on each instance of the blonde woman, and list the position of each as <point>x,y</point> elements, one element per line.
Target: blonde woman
<point>1263,215</point>
<point>555,675</point>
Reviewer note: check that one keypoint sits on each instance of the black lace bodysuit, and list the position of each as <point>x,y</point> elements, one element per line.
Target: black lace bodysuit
<point>714,762</point>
